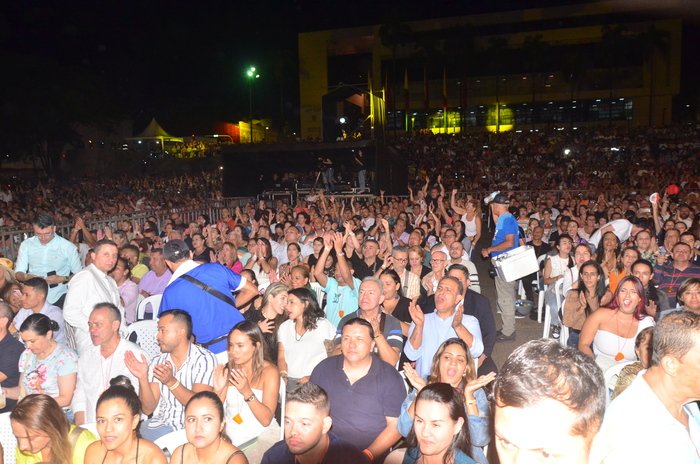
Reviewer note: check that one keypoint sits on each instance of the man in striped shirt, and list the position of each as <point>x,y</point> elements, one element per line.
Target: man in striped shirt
<point>670,276</point>
<point>182,370</point>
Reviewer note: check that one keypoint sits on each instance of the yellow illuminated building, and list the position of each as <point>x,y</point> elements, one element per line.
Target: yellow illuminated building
<point>573,65</point>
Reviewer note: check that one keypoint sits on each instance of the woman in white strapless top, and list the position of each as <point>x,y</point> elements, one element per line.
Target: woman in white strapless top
<point>612,331</point>
<point>249,386</point>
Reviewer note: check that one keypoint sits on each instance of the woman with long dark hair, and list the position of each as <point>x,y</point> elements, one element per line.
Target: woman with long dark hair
<point>440,430</point>
<point>248,385</point>
<point>303,337</point>
<point>607,253</point>
<point>452,364</point>
<point>612,330</point>
<point>590,293</point>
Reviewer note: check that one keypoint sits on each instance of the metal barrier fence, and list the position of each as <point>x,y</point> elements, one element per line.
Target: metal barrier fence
<point>12,238</point>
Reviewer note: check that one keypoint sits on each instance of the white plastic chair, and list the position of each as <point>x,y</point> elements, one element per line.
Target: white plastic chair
<point>145,336</point>
<point>170,441</point>
<point>154,301</point>
<point>222,358</point>
<point>283,404</point>
<point>540,290</point>
<point>611,375</point>
<point>564,332</point>
<point>7,438</point>
<point>318,290</point>
<point>474,284</point>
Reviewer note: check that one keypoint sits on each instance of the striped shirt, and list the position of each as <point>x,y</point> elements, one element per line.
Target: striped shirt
<point>197,368</point>
<point>391,331</point>
<point>668,279</point>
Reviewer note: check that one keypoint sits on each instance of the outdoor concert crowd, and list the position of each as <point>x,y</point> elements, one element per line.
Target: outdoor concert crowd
<point>341,329</point>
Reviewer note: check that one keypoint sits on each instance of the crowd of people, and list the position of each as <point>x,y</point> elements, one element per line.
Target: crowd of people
<point>22,199</point>
<point>366,316</point>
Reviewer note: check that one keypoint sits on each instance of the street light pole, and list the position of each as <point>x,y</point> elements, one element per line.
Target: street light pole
<point>252,75</point>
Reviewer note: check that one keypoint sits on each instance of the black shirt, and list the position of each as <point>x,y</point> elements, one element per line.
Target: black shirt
<point>361,268</point>
<point>10,351</point>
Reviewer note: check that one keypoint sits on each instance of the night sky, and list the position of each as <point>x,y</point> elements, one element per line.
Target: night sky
<point>182,62</point>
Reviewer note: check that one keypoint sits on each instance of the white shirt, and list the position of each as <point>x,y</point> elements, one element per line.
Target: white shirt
<point>95,372</point>
<point>621,227</point>
<point>631,417</point>
<point>87,288</point>
<point>183,269</point>
<point>303,353</point>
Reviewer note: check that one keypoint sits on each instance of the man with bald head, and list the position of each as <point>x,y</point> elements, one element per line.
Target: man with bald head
<point>103,361</point>
<point>438,264</point>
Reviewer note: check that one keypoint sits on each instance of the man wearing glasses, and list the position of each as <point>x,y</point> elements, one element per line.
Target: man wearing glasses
<point>48,256</point>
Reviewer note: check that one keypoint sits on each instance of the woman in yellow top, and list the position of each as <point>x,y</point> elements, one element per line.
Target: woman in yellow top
<point>44,435</point>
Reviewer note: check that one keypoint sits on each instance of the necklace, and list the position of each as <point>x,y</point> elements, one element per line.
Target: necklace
<point>620,355</point>
<point>300,336</point>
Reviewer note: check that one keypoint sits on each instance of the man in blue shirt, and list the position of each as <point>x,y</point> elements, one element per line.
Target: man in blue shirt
<point>504,239</point>
<point>205,292</point>
<point>307,435</point>
<point>48,256</point>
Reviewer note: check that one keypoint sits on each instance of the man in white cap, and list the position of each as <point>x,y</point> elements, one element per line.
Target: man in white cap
<point>504,239</point>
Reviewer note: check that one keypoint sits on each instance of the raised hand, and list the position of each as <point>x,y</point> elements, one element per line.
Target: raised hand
<point>479,382</point>
<point>416,313</point>
<point>338,240</point>
<point>139,368</point>
<point>164,373</point>
<point>219,378</point>
<point>416,380</point>
<point>457,319</point>
<point>239,379</point>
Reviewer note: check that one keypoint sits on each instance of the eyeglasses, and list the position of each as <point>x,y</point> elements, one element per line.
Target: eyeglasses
<point>401,260</point>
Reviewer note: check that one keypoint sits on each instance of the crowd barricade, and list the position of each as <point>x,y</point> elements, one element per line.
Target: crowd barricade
<point>12,238</point>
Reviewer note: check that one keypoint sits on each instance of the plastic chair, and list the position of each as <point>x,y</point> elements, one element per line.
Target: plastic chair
<point>540,288</point>
<point>170,441</point>
<point>564,332</point>
<point>153,301</point>
<point>7,438</point>
<point>222,358</point>
<point>474,284</point>
<point>145,332</point>
<point>318,290</point>
<point>611,374</point>
<point>283,404</point>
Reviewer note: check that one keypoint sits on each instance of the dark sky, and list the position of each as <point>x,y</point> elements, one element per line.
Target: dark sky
<point>184,62</point>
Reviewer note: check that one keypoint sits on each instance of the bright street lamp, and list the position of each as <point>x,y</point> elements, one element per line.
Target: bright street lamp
<point>252,75</point>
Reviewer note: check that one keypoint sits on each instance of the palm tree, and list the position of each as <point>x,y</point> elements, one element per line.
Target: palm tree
<point>393,36</point>
<point>650,42</point>
<point>574,67</point>
<point>496,51</point>
<point>613,46</point>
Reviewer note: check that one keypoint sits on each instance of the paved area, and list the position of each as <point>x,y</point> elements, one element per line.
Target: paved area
<point>525,329</point>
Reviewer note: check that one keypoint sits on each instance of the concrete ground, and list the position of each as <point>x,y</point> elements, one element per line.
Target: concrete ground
<point>525,329</point>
